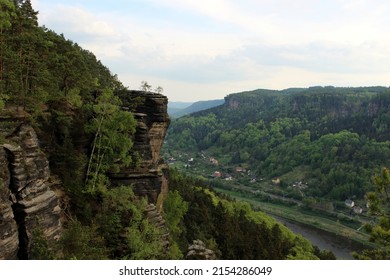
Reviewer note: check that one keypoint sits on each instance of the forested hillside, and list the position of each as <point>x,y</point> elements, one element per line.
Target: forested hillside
<point>232,229</point>
<point>68,130</point>
<point>333,139</point>
<point>38,66</point>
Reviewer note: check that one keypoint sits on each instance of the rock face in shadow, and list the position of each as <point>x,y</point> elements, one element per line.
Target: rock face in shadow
<point>28,200</point>
<point>9,240</point>
<point>28,204</point>
<point>198,251</point>
<point>149,177</point>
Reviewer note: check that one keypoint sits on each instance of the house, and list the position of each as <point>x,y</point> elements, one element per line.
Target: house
<point>300,185</point>
<point>276,181</point>
<point>228,177</point>
<point>213,161</point>
<point>349,203</point>
<point>217,174</point>
<point>357,210</point>
<point>240,169</point>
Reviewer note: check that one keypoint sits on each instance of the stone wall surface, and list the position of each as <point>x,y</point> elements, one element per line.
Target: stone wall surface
<point>9,240</point>
<point>28,204</point>
<point>150,177</point>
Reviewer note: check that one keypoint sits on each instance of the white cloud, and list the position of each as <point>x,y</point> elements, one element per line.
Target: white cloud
<point>236,45</point>
<point>75,20</point>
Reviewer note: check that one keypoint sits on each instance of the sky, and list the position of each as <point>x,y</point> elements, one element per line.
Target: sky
<point>207,49</point>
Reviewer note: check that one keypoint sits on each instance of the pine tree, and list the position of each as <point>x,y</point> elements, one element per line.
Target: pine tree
<point>7,12</point>
<point>24,59</point>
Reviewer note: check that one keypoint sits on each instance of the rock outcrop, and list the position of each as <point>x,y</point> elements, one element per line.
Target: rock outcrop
<point>154,217</point>
<point>149,177</point>
<point>9,240</point>
<point>198,251</point>
<point>26,201</point>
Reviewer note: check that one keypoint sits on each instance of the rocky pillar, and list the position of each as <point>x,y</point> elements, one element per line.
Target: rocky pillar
<point>34,205</point>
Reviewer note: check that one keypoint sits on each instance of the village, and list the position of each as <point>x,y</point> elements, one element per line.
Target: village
<point>241,179</point>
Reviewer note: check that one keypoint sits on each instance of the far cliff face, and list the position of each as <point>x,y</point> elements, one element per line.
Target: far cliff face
<point>149,178</point>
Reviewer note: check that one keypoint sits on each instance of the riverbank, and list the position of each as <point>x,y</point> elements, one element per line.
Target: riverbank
<point>321,231</point>
<point>340,246</point>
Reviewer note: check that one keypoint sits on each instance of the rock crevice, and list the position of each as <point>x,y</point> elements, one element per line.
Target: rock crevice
<point>27,198</point>
<point>28,201</point>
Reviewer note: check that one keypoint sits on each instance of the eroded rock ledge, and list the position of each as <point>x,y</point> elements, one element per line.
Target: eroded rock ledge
<point>27,203</point>
<point>149,178</point>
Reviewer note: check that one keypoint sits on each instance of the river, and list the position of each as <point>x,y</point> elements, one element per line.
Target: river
<point>341,247</point>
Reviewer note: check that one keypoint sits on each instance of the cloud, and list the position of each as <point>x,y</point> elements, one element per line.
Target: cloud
<point>225,46</point>
<point>320,56</point>
<point>80,23</point>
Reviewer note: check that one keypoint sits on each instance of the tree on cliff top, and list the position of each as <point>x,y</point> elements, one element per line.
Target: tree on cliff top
<point>7,12</point>
<point>145,86</point>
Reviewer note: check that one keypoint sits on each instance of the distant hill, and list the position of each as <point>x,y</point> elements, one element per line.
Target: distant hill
<point>192,108</point>
<point>175,106</point>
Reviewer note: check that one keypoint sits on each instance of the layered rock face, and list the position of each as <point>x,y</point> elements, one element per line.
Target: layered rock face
<point>150,177</point>
<point>9,237</point>
<point>27,203</point>
<point>198,251</point>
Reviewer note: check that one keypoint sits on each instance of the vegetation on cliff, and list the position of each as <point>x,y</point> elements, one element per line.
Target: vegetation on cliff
<point>67,95</point>
<point>82,115</point>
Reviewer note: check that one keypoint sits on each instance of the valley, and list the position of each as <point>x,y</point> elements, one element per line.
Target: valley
<point>306,156</point>
<point>91,169</point>
<point>315,223</point>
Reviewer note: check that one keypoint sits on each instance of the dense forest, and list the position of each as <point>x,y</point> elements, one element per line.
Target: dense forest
<point>232,229</point>
<point>75,104</point>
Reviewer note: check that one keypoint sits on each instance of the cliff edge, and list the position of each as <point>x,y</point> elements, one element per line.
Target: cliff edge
<point>29,201</point>
<point>149,177</point>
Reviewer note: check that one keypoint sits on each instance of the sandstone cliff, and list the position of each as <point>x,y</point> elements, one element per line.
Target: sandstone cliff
<point>9,241</point>
<point>27,202</point>
<point>149,177</point>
